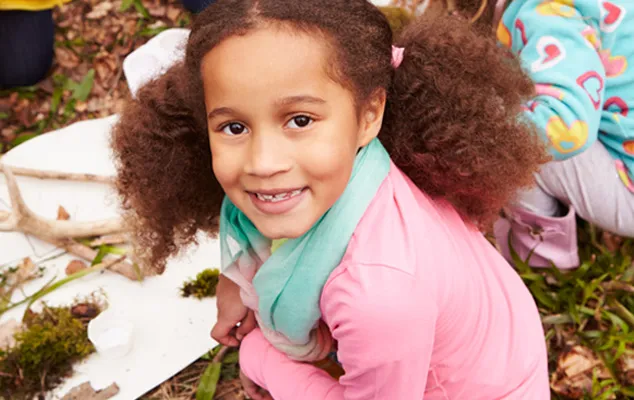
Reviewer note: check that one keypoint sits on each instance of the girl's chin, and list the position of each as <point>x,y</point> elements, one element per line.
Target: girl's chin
<point>273,231</point>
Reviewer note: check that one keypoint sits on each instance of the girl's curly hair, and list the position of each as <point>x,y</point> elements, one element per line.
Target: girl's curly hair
<point>451,124</point>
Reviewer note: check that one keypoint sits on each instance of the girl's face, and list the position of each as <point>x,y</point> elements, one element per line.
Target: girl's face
<point>283,134</point>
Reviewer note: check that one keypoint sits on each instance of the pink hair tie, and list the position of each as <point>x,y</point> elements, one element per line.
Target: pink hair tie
<point>397,56</point>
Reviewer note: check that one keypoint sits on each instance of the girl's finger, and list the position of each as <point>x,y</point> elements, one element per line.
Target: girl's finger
<point>246,326</point>
<point>222,336</point>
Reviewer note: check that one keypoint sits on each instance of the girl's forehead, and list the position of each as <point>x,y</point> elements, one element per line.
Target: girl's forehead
<point>266,54</point>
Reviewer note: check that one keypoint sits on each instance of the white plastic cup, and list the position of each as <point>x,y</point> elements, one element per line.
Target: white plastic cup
<point>111,334</point>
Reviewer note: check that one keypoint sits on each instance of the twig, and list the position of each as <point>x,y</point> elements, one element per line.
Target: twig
<point>221,354</point>
<point>123,268</point>
<point>110,239</point>
<point>614,286</point>
<point>63,176</point>
<point>23,219</point>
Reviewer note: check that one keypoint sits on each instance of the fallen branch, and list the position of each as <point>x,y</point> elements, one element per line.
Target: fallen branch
<point>110,239</point>
<point>119,266</point>
<point>62,176</point>
<point>23,219</point>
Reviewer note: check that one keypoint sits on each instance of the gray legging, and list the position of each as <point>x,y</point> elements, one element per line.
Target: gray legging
<point>590,183</point>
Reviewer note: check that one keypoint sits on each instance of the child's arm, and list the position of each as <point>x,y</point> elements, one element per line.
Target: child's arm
<point>560,49</point>
<point>384,343</point>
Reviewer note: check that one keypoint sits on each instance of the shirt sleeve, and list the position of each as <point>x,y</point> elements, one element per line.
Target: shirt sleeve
<point>384,342</point>
<point>561,51</point>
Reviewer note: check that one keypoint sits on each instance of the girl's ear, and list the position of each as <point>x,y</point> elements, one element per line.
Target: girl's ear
<point>372,117</point>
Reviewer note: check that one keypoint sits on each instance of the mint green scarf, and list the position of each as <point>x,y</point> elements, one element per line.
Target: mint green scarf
<point>289,281</point>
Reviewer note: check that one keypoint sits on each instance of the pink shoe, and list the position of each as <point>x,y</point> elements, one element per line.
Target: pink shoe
<point>551,239</point>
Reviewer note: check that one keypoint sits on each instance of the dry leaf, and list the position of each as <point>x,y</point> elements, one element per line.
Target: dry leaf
<point>66,58</point>
<point>75,266</point>
<point>157,10</point>
<point>80,106</point>
<point>575,369</point>
<point>62,214</point>
<point>105,66</point>
<point>95,104</point>
<point>25,270</point>
<point>8,134</point>
<point>8,330</point>
<point>86,392</point>
<point>100,10</point>
<point>5,104</point>
<point>626,368</point>
<point>46,85</point>
<point>173,13</point>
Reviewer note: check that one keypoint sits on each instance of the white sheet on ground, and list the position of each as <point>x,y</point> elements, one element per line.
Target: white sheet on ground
<point>170,332</point>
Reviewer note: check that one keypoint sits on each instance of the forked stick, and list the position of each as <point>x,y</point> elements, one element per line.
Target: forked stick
<point>23,219</point>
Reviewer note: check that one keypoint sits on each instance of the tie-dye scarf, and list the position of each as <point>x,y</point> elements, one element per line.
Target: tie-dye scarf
<point>289,281</point>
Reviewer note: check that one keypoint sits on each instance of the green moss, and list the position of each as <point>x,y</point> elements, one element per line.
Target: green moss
<point>45,350</point>
<point>203,286</point>
<point>397,17</point>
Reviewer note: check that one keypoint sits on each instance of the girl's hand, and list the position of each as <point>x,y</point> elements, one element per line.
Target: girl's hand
<point>231,311</point>
<point>252,389</point>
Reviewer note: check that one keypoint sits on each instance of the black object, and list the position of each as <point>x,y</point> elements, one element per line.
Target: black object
<point>26,46</point>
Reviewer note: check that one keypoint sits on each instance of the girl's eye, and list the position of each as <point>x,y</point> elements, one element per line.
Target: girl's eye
<point>234,128</point>
<point>300,121</point>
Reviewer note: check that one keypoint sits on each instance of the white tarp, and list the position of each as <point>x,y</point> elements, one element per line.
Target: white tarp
<point>170,332</point>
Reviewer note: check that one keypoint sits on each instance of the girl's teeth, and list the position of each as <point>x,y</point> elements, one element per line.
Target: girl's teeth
<point>279,196</point>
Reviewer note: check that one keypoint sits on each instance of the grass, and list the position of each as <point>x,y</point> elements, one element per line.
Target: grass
<point>589,307</point>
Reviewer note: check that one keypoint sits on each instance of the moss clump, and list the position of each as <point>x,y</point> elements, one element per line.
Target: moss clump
<point>397,17</point>
<point>203,286</point>
<point>45,351</point>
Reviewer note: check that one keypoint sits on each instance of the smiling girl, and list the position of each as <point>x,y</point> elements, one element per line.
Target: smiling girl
<point>347,176</point>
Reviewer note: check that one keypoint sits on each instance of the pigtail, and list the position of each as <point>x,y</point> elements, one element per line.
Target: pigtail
<point>164,168</point>
<point>452,119</point>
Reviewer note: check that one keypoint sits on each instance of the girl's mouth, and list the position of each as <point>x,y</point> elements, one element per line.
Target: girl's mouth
<point>274,198</point>
<point>277,201</point>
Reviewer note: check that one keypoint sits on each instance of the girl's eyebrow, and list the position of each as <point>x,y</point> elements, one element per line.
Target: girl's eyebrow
<point>286,101</point>
<point>220,111</point>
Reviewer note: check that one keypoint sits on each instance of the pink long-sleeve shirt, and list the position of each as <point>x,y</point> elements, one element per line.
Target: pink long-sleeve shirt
<point>421,307</point>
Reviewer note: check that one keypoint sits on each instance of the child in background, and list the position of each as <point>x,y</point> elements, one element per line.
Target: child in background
<point>334,240</point>
<point>580,56</point>
<point>27,36</point>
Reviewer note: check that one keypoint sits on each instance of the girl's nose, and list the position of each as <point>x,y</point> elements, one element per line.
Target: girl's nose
<point>268,156</point>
